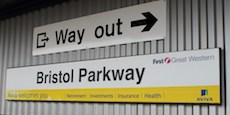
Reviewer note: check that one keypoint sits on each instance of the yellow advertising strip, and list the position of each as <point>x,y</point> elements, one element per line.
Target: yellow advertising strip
<point>186,94</point>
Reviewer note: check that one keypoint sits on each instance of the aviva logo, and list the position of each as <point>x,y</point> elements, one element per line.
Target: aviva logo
<point>204,96</point>
<point>204,92</point>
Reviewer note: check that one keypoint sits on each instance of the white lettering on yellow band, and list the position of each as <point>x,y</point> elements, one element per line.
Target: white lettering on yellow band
<point>186,94</point>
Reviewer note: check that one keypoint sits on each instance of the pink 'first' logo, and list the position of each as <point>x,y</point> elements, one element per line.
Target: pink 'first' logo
<point>167,60</point>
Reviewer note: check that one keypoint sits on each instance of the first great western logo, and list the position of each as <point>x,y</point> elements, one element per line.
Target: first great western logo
<point>186,59</point>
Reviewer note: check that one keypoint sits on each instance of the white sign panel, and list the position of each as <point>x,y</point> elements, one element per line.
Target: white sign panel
<point>182,77</point>
<point>132,24</point>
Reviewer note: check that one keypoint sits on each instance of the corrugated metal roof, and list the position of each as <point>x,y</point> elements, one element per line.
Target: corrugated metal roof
<point>10,8</point>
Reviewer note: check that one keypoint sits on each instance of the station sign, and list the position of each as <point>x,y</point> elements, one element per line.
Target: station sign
<point>126,25</point>
<point>179,77</point>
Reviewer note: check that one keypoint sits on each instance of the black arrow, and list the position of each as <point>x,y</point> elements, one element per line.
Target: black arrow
<point>149,21</point>
<point>46,39</point>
